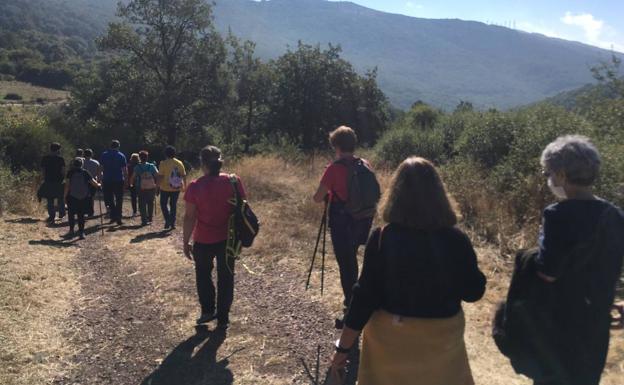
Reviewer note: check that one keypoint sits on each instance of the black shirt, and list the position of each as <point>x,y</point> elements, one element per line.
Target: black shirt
<point>586,263</point>
<point>416,273</point>
<point>53,165</point>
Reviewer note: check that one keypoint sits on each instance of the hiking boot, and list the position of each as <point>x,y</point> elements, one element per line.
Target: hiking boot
<point>166,226</point>
<point>204,318</point>
<point>69,235</point>
<point>50,220</point>
<point>81,236</point>
<point>119,222</point>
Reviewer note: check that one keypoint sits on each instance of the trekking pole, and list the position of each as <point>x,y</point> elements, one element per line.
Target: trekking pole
<point>318,239</point>
<point>101,213</point>
<point>325,213</point>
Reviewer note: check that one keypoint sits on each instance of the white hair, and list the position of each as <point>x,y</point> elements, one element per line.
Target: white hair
<point>576,156</point>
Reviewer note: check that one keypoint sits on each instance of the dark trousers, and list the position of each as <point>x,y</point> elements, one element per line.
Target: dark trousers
<point>51,205</point>
<point>91,201</point>
<point>134,196</point>
<point>113,196</point>
<point>146,205</point>
<point>347,234</point>
<point>169,205</point>
<point>77,210</point>
<point>204,255</point>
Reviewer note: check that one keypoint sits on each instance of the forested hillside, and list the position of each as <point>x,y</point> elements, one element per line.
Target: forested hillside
<point>46,42</point>
<point>438,61</point>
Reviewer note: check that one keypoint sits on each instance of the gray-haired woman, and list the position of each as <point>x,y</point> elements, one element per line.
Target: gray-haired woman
<point>580,259</point>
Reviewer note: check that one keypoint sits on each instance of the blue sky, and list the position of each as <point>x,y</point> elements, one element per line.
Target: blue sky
<point>598,22</point>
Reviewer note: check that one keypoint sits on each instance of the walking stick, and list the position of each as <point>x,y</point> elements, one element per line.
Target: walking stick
<point>322,228</point>
<point>101,213</point>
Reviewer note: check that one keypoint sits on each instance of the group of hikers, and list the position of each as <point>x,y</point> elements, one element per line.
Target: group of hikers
<point>113,175</point>
<point>417,268</point>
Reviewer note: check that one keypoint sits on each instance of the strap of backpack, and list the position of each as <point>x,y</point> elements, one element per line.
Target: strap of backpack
<point>234,183</point>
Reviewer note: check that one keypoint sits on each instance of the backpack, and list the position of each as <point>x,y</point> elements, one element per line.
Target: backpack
<point>146,178</point>
<point>78,185</point>
<point>175,180</point>
<point>363,188</point>
<point>243,225</point>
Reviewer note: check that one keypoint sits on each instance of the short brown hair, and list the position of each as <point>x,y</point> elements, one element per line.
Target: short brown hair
<point>143,155</point>
<point>417,198</point>
<point>343,138</point>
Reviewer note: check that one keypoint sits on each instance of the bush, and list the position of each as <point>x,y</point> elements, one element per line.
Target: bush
<point>13,96</point>
<point>487,137</point>
<point>24,140</point>
<point>400,143</point>
<point>17,191</point>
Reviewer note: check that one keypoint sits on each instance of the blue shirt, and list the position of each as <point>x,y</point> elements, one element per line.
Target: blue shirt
<point>113,163</point>
<point>141,168</point>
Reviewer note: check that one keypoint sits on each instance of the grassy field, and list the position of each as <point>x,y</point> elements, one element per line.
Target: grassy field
<point>49,288</point>
<point>30,94</point>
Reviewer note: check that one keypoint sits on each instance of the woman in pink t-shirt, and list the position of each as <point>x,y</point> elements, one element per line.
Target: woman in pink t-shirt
<point>208,209</point>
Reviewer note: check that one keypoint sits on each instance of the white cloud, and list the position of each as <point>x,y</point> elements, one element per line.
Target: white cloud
<point>596,31</point>
<point>412,5</point>
<point>582,27</point>
<point>593,27</point>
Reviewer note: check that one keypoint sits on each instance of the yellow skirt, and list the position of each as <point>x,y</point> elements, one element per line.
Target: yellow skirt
<point>414,351</point>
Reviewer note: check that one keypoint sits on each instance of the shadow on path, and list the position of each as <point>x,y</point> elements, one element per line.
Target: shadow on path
<point>194,362</point>
<point>54,243</point>
<point>152,235</point>
<point>23,221</point>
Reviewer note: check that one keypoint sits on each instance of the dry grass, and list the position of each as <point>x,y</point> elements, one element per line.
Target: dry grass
<point>37,286</point>
<point>40,286</point>
<point>30,93</point>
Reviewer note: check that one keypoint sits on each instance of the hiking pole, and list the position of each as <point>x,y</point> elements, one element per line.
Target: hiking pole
<point>323,247</point>
<point>101,213</point>
<point>318,239</point>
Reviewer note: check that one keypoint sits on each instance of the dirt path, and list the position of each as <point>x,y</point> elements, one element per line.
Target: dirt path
<point>133,322</point>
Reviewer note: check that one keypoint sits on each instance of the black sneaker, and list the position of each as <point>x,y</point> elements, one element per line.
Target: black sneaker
<point>81,236</point>
<point>69,235</point>
<point>339,323</point>
<point>166,226</point>
<point>119,222</point>
<point>204,318</point>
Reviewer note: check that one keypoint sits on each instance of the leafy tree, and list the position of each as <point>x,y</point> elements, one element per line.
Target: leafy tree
<point>173,47</point>
<point>316,91</point>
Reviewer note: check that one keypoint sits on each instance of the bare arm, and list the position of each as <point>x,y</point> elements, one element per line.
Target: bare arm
<point>190,217</point>
<point>320,194</point>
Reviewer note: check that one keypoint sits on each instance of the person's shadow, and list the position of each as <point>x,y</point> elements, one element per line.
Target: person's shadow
<point>194,362</point>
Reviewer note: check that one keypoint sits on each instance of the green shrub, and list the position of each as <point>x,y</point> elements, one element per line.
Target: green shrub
<point>13,96</point>
<point>24,140</point>
<point>400,143</point>
<point>487,137</point>
<point>17,191</point>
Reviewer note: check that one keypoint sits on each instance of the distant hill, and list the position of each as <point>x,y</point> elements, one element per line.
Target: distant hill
<point>437,61</point>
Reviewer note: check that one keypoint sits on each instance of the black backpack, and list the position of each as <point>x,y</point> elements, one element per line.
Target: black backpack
<point>363,188</point>
<point>245,223</point>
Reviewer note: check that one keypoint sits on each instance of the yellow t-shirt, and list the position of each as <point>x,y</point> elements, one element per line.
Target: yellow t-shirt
<point>171,172</point>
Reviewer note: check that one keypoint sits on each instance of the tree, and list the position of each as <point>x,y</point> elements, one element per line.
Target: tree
<point>253,81</point>
<point>316,91</point>
<point>173,46</point>
<point>422,116</point>
<point>608,73</point>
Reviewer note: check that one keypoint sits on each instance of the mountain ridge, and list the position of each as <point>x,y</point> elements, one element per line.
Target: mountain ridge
<point>439,61</point>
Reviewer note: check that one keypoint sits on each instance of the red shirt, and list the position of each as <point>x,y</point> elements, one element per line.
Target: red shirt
<point>335,180</point>
<point>211,196</point>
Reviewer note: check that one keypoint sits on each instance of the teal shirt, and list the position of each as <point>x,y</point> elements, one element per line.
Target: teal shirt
<point>143,168</point>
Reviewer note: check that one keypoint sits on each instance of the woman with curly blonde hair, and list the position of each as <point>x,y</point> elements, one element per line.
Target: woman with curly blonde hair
<point>417,271</point>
